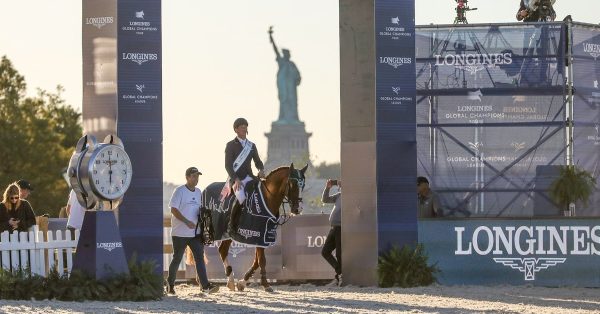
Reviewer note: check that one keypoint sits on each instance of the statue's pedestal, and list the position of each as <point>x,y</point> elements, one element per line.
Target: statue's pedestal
<point>288,142</point>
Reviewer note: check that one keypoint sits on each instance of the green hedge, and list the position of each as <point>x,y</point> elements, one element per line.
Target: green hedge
<point>142,284</point>
<point>406,267</point>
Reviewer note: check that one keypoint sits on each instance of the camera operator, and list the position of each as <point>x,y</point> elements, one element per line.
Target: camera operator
<point>334,238</point>
<point>527,15</point>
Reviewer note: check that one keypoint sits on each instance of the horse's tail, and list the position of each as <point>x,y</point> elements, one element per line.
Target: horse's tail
<point>211,195</point>
<point>211,199</point>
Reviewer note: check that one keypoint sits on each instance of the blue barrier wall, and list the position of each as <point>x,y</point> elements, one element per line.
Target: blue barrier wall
<point>549,252</point>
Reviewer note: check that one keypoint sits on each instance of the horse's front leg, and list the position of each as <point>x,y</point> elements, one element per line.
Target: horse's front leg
<point>262,262</point>
<point>241,285</point>
<point>223,252</point>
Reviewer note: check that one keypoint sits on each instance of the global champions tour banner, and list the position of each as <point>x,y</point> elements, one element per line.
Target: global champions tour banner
<point>541,252</point>
<point>491,115</point>
<point>491,121</point>
<point>122,72</point>
<point>395,118</point>
<point>586,111</point>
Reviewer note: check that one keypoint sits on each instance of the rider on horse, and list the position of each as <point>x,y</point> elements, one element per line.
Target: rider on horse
<point>239,152</point>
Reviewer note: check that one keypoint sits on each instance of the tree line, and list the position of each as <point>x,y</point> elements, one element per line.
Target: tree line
<point>37,137</point>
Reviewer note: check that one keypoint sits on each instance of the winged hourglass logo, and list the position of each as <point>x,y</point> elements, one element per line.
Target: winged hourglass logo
<point>529,266</point>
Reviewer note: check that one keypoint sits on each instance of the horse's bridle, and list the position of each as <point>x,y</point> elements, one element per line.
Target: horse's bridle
<point>287,199</point>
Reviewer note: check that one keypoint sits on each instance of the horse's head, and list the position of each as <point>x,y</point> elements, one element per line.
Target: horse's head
<point>296,181</point>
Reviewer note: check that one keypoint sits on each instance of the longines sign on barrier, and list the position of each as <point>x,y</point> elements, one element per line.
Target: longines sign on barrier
<point>299,259</point>
<point>541,252</point>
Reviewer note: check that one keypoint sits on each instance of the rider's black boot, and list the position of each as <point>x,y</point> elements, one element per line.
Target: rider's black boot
<point>234,218</point>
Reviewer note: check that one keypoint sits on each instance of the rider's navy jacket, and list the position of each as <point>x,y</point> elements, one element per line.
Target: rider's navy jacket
<point>232,150</point>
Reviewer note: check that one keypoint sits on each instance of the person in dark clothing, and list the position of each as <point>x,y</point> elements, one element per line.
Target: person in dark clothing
<point>428,200</point>
<point>526,15</point>
<point>334,238</point>
<point>239,154</point>
<point>15,213</point>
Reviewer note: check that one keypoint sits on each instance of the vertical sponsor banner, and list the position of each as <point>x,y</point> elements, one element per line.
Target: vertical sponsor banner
<point>396,122</point>
<point>99,55</point>
<point>140,125</point>
<point>586,107</point>
<point>541,252</point>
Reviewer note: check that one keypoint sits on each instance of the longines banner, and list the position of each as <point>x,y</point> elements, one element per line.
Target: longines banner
<point>140,124</point>
<point>490,114</point>
<point>586,106</point>
<point>560,252</point>
<point>122,62</point>
<point>395,118</point>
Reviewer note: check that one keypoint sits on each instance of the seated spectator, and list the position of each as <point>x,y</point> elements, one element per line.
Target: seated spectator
<point>25,189</point>
<point>15,213</point>
<point>429,202</point>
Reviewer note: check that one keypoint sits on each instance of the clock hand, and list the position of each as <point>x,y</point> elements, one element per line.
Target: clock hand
<point>109,171</point>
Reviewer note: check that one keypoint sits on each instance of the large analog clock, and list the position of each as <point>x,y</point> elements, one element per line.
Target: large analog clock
<point>110,172</point>
<point>100,173</point>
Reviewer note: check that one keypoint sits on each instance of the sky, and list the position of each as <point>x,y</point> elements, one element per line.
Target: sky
<point>218,65</point>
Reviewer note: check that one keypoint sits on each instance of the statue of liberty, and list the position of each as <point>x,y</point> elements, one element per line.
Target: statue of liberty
<point>288,78</point>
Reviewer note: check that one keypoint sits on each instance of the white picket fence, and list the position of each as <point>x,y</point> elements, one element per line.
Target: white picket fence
<point>168,251</point>
<point>34,251</point>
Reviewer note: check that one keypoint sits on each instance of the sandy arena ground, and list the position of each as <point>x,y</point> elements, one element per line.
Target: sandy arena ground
<point>318,299</point>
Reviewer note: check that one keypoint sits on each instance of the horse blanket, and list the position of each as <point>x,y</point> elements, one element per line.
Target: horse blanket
<point>257,225</point>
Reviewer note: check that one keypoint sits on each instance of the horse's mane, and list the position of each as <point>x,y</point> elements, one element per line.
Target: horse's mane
<point>276,170</point>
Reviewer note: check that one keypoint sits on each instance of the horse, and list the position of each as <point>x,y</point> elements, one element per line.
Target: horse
<point>284,184</point>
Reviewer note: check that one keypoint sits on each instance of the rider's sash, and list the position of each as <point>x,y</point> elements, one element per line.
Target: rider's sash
<point>239,161</point>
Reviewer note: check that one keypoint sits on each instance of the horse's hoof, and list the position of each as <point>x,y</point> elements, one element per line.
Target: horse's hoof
<point>231,285</point>
<point>268,289</point>
<point>241,285</point>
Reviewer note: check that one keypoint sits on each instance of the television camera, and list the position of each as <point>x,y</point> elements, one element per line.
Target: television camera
<point>462,8</point>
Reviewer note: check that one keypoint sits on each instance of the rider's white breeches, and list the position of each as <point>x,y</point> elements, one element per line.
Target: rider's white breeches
<point>240,194</point>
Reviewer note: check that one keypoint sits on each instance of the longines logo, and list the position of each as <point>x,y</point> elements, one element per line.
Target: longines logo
<point>139,25</point>
<point>248,233</point>
<point>256,203</point>
<point>395,61</point>
<point>518,146</point>
<point>528,243</point>
<point>529,266</point>
<point>109,246</point>
<point>235,249</point>
<point>592,49</point>
<point>596,137</point>
<point>396,90</point>
<point>140,87</point>
<point>394,30</point>
<point>140,58</point>
<point>316,241</point>
<point>99,22</point>
<point>474,63</point>
<point>475,146</point>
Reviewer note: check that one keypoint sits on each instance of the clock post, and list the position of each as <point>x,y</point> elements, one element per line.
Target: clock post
<point>100,174</point>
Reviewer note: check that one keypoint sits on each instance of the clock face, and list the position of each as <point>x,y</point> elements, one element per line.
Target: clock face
<point>110,172</point>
